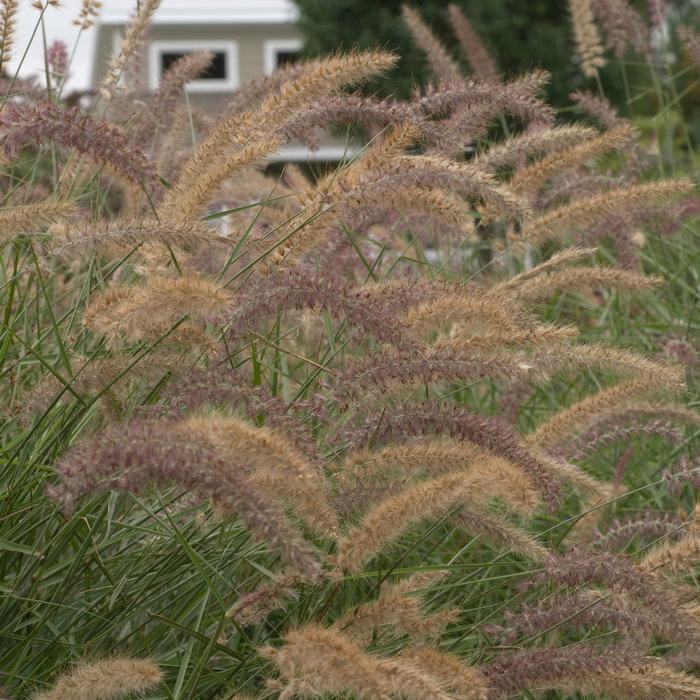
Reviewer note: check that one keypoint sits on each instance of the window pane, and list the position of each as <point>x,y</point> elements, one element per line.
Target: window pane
<point>285,57</point>
<point>216,70</point>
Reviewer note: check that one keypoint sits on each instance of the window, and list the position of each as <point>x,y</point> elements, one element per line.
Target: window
<point>215,71</point>
<point>221,76</point>
<point>281,52</point>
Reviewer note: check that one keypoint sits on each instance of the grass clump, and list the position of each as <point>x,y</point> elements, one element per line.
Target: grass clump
<point>416,426</point>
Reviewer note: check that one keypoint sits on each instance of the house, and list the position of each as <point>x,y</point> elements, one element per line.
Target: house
<point>249,39</point>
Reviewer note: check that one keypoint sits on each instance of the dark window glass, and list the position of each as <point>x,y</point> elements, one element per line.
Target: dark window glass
<point>285,57</point>
<point>216,70</point>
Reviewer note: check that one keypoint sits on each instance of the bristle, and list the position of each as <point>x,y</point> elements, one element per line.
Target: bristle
<point>277,466</point>
<point>650,680</point>
<point>514,672</point>
<point>581,414</point>
<point>676,557</point>
<point>541,141</point>
<point>41,122</point>
<point>165,98</point>
<point>465,681</point>
<point>480,60</point>
<point>8,20</point>
<point>599,109</point>
<point>534,176</point>
<point>110,679</point>
<point>426,500</point>
<point>622,26</point>
<point>259,133</point>
<point>382,471</point>
<point>399,609</point>
<point>568,256</point>
<point>545,285</point>
<point>582,212</point>
<point>496,529</point>
<point>134,39</point>
<point>410,419</point>
<point>441,63</point>
<point>142,311</point>
<point>315,661</point>
<point>30,219</point>
<point>158,451</point>
<point>588,43</point>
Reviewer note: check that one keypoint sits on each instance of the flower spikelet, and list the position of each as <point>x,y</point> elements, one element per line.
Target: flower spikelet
<point>109,679</point>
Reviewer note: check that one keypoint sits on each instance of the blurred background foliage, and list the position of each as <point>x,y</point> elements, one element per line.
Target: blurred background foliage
<point>520,34</point>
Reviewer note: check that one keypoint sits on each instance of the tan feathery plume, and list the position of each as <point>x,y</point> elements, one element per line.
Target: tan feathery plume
<point>499,199</point>
<point>440,205</point>
<point>584,211</point>
<point>452,361</point>
<point>676,557</point>
<point>652,681</point>
<point>140,311</point>
<point>576,417</point>
<point>545,285</point>
<point>620,361</point>
<point>413,682</point>
<point>480,311</point>
<point>393,143</point>
<point>541,141</point>
<point>185,200</point>
<point>659,409</point>
<point>314,661</point>
<point>547,334</point>
<point>466,682</point>
<point>172,147</point>
<point>260,132</point>
<point>109,679</point>
<point>88,13</point>
<point>426,500</point>
<point>400,608</point>
<point>133,41</point>
<point>166,97</point>
<point>371,179</point>
<point>33,218</point>
<point>530,178</point>
<point>476,520</point>
<point>317,661</point>
<point>253,607</point>
<point>576,476</point>
<point>588,44</point>
<point>386,469</point>
<point>144,452</point>
<point>568,256</point>
<point>598,108</point>
<point>8,21</point>
<point>594,510</point>
<point>121,235</point>
<point>441,63</point>
<point>480,60</point>
<point>277,466</point>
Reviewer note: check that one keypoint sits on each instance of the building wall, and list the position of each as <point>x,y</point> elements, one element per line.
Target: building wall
<point>250,40</point>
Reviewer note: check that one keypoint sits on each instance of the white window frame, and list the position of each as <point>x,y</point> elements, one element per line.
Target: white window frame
<point>272,46</point>
<point>227,47</point>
